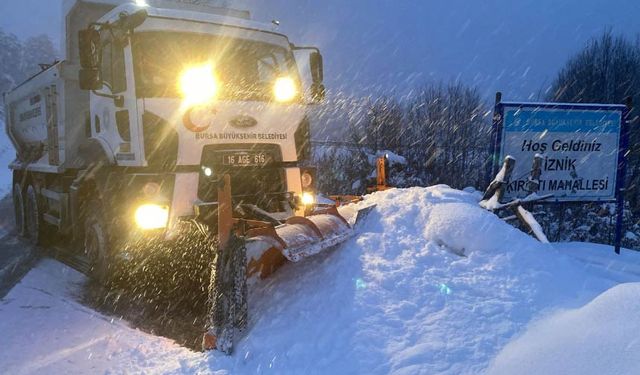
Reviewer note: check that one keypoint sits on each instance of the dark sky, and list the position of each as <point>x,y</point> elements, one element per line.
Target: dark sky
<point>515,46</point>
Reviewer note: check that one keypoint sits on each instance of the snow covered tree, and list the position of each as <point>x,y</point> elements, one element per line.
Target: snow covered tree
<point>10,55</point>
<point>19,61</point>
<point>449,134</point>
<point>383,127</point>
<point>342,170</point>
<point>607,70</point>
<point>442,131</point>
<point>37,50</point>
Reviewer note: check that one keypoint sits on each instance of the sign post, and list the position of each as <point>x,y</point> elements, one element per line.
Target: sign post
<point>621,172</point>
<point>580,150</point>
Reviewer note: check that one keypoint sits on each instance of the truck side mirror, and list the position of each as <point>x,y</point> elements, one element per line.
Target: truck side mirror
<point>315,63</point>
<point>89,45</point>
<point>318,92</point>
<point>123,28</point>
<point>317,76</point>
<point>90,79</point>
<point>136,19</point>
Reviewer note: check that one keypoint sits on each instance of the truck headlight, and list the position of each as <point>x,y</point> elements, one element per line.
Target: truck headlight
<point>198,84</point>
<point>308,199</point>
<point>152,216</point>
<point>284,89</point>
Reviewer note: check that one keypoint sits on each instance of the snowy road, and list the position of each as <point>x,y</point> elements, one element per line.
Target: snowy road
<point>433,285</point>
<point>16,258</point>
<point>46,330</point>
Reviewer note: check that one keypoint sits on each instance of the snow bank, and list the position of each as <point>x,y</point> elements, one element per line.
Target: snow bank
<point>432,285</point>
<point>599,338</point>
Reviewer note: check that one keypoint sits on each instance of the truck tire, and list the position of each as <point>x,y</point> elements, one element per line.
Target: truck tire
<point>35,226</point>
<point>19,211</point>
<point>96,243</point>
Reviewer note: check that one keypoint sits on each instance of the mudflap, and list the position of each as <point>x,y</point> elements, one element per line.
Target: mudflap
<point>227,295</point>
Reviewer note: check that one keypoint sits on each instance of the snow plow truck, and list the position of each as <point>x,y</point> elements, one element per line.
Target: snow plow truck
<point>165,116</point>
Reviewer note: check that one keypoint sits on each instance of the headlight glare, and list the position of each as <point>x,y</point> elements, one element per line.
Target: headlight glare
<point>284,89</point>
<point>308,199</point>
<point>198,84</point>
<point>152,216</point>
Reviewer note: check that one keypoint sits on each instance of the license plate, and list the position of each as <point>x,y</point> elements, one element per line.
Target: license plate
<point>243,159</point>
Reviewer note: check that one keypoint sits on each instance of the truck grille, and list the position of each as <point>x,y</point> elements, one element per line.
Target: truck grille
<point>261,182</point>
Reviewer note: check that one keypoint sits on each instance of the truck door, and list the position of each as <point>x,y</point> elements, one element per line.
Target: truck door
<point>114,114</point>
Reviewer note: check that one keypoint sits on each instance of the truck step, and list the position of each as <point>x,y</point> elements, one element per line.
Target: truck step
<point>54,195</point>
<point>52,220</point>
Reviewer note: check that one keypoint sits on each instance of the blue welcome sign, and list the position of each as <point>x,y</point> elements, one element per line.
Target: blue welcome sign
<point>582,147</point>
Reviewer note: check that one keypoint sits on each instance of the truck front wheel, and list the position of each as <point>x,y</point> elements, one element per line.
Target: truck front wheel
<point>18,207</point>
<point>96,243</point>
<point>35,227</point>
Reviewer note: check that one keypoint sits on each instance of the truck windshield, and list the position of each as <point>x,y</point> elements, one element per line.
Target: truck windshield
<point>244,69</point>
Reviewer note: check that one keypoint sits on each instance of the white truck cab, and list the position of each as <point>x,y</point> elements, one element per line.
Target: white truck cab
<point>153,103</point>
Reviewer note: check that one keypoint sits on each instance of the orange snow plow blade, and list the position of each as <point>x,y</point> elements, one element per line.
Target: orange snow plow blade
<point>299,238</point>
<point>268,247</point>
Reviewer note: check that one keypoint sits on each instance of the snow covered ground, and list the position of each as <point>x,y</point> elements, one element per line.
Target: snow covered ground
<point>433,285</point>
